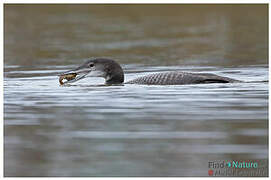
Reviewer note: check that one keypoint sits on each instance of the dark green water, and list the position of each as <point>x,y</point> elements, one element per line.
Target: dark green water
<point>133,130</point>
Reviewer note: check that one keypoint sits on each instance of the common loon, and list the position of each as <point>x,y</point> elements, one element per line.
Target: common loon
<point>112,72</point>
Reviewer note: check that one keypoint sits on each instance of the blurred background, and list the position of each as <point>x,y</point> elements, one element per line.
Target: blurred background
<point>152,34</point>
<point>132,130</point>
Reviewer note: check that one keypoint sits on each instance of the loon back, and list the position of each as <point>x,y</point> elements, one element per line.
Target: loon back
<point>179,78</point>
<point>112,72</point>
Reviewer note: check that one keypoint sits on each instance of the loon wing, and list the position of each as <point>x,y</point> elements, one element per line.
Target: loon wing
<point>179,78</point>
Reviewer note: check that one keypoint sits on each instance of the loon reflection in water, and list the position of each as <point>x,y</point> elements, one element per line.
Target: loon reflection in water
<point>113,74</point>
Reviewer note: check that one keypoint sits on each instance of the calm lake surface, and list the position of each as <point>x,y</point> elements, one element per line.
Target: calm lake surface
<point>87,129</point>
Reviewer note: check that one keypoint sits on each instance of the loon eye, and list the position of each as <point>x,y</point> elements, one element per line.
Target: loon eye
<point>91,65</point>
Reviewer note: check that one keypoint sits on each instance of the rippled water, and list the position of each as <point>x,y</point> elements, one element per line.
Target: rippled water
<point>132,129</point>
<point>87,129</point>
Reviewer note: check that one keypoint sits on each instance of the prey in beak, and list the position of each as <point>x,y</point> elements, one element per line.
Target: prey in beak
<point>89,69</point>
<point>72,75</point>
<point>69,78</point>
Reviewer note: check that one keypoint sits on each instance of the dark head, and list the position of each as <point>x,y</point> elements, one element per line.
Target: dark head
<point>98,67</point>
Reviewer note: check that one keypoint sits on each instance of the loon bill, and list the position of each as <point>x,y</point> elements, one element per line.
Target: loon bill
<point>112,72</point>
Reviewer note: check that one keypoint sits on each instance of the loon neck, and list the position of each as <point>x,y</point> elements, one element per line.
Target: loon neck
<point>116,77</point>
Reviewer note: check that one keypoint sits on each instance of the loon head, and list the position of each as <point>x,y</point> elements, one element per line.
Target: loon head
<point>109,69</point>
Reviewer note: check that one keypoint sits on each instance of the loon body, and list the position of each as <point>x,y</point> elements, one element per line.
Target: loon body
<point>113,74</point>
<point>177,77</point>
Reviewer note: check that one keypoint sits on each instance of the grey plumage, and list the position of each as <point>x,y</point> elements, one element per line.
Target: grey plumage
<point>179,78</point>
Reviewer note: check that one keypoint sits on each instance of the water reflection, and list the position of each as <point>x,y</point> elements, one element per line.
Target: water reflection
<point>122,130</point>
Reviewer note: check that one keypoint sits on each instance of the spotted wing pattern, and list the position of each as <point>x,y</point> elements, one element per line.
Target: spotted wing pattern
<point>179,78</point>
